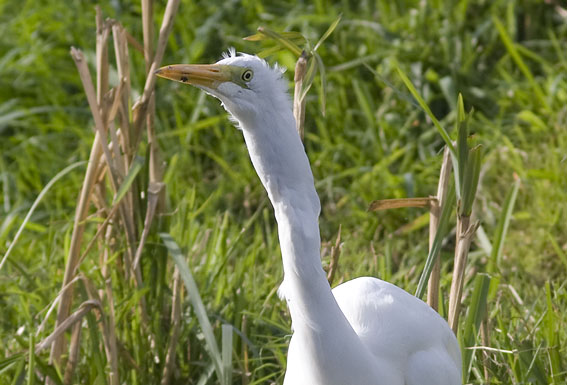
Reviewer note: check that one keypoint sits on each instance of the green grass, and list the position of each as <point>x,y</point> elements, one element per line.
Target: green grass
<point>506,58</point>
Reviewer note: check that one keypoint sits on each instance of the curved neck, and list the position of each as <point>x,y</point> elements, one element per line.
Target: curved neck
<point>279,158</point>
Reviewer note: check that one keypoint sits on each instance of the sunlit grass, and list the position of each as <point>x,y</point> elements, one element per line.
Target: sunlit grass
<point>374,142</point>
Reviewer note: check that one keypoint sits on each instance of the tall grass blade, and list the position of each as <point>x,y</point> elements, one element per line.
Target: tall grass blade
<point>281,40</point>
<point>476,313</point>
<point>328,32</point>
<point>135,168</point>
<point>437,242</point>
<point>197,303</point>
<point>426,108</point>
<point>31,361</point>
<point>513,51</point>
<point>323,76</point>
<point>42,193</point>
<point>553,346</point>
<point>470,180</point>
<point>462,151</point>
<point>227,353</point>
<point>502,229</point>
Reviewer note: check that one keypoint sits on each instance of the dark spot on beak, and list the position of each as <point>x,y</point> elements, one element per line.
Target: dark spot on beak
<point>184,79</point>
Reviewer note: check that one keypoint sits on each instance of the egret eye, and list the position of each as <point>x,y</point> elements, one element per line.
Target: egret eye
<point>247,75</point>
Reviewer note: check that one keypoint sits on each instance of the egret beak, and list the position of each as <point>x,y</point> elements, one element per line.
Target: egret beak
<point>205,75</point>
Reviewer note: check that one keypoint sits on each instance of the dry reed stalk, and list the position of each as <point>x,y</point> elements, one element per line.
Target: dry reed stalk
<point>154,190</point>
<point>105,107</point>
<point>335,253</point>
<point>73,354</point>
<point>141,106</point>
<point>89,181</point>
<point>435,213</point>
<point>109,334</point>
<point>123,69</point>
<point>298,102</point>
<point>69,321</point>
<point>106,326</point>
<point>155,164</point>
<point>465,234</point>
<point>175,329</point>
<point>386,204</point>
<point>66,295</point>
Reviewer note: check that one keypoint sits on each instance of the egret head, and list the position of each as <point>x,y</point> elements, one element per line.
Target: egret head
<point>246,85</point>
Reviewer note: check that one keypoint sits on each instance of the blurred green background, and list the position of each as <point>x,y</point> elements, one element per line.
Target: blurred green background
<point>374,142</point>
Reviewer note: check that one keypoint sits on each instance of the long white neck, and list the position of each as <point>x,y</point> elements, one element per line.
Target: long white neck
<point>279,158</point>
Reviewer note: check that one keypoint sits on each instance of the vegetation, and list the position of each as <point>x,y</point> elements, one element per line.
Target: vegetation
<point>506,58</point>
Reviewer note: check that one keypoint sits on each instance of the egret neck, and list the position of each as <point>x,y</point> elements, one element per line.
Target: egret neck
<point>280,160</point>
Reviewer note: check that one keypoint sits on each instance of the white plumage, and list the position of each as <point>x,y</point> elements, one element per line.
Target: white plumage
<point>363,332</point>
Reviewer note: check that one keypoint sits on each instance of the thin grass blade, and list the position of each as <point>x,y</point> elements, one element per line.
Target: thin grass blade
<point>437,242</point>
<point>426,108</point>
<point>227,353</point>
<point>503,224</point>
<point>470,180</point>
<point>135,168</point>
<point>282,40</point>
<point>476,312</point>
<point>328,32</point>
<point>44,191</point>
<point>196,301</point>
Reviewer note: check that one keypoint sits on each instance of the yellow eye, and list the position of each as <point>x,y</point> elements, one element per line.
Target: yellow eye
<point>247,75</point>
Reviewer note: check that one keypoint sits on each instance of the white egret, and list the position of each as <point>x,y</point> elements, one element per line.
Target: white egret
<point>364,331</point>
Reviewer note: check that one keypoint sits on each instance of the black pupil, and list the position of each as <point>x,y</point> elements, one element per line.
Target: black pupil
<point>247,75</point>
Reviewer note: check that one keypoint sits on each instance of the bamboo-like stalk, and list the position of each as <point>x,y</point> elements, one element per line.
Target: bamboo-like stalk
<point>109,334</point>
<point>73,354</point>
<point>66,297</point>
<point>434,214</point>
<point>154,190</point>
<point>465,234</point>
<point>298,102</point>
<point>69,322</point>
<point>141,106</point>
<point>155,165</point>
<point>114,157</point>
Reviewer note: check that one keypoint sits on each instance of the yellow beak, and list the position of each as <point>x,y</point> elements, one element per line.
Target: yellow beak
<point>206,75</point>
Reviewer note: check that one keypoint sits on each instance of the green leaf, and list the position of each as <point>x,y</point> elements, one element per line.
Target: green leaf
<point>470,180</point>
<point>328,32</point>
<point>197,303</point>
<point>227,353</point>
<point>44,191</point>
<point>31,361</point>
<point>444,220</point>
<point>502,229</point>
<point>283,41</point>
<point>513,51</point>
<point>476,313</point>
<point>8,362</point>
<point>135,168</point>
<point>292,35</point>
<point>462,151</point>
<point>461,115</point>
<point>426,108</point>
<point>551,336</point>
<point>323,89</point>
<point>309,77</point>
